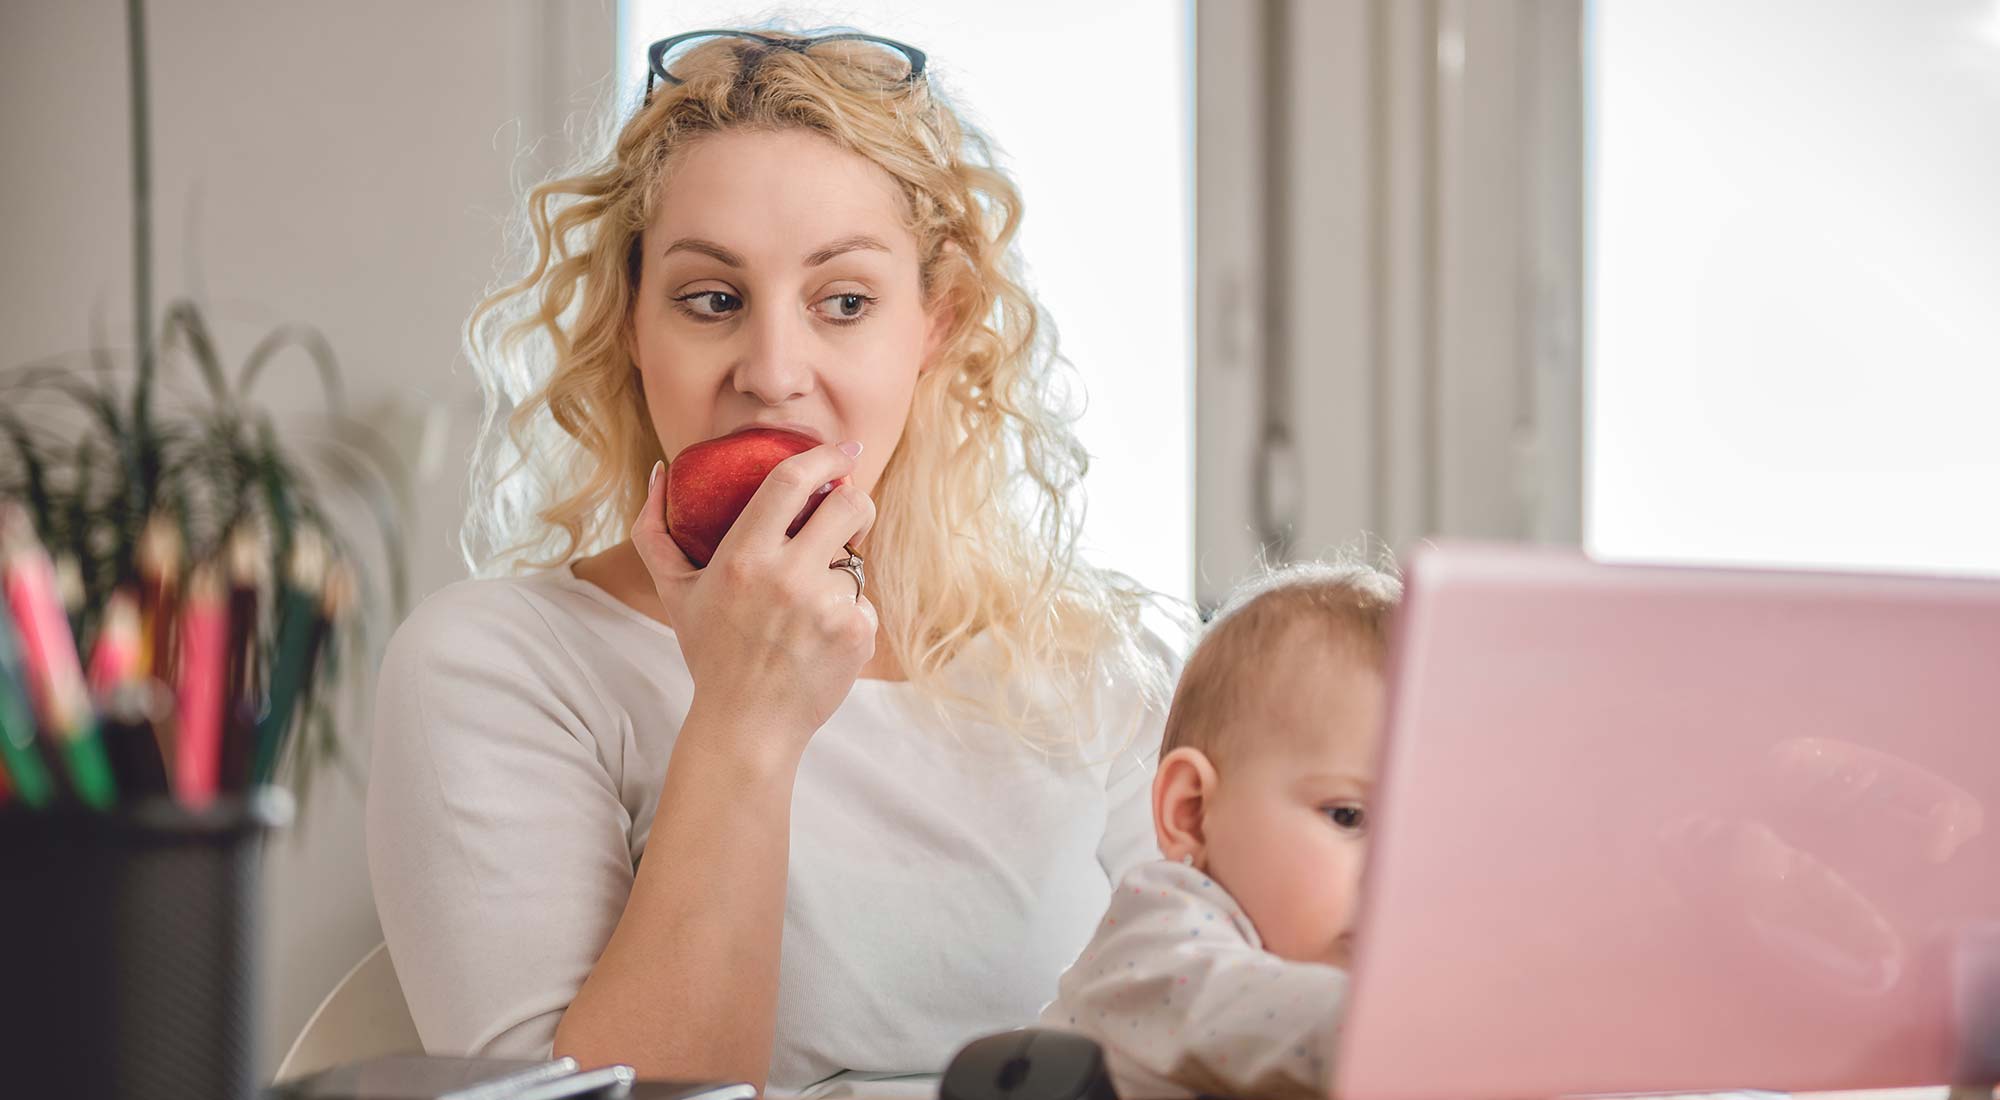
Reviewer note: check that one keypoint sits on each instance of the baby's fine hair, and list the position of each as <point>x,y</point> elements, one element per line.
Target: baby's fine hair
<point>1343,606</point>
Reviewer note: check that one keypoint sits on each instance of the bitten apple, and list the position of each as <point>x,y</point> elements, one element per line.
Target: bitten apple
<point>709,484</point>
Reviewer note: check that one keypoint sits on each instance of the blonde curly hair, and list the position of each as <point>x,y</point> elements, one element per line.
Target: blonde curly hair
<point>978,512</point>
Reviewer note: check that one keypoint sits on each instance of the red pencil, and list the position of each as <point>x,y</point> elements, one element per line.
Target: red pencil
<point>204,640</point>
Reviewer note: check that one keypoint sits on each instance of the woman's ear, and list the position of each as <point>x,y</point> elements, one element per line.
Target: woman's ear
<point>944,309</point>
<point>944,318</point>
<point>1182,788</point>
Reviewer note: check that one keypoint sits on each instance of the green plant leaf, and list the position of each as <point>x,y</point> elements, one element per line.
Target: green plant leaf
<point>34,470</point>
<point>184,325</point>
<point>309,340</point>
<point>387,501</point>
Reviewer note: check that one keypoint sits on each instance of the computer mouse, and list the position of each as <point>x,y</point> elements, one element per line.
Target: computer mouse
<point>1028,1064</point>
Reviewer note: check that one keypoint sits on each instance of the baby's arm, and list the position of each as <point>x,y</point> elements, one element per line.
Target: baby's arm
<point>1183,1003</point>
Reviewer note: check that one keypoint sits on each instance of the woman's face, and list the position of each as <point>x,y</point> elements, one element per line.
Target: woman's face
<point>779,287</point>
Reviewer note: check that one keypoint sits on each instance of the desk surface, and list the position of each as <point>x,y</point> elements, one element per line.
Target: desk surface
<point>925,1088</point>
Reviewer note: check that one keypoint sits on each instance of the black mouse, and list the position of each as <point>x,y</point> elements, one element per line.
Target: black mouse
<point>1028,1064</point>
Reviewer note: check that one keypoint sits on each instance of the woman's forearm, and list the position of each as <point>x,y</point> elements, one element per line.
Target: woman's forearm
<point>687,986</point>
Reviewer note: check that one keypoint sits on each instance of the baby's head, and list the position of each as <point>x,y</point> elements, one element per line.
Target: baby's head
<point>1270,749</point>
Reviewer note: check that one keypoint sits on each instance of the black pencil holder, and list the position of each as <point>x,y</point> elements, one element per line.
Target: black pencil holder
<point>128,949</point>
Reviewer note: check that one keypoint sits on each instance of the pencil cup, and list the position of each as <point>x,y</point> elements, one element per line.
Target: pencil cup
<point>128,949</point>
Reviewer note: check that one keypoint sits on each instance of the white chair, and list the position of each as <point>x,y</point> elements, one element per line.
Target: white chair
<point>364,1017</point>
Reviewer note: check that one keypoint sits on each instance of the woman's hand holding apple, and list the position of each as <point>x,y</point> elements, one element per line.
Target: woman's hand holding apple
<point>773,638</point>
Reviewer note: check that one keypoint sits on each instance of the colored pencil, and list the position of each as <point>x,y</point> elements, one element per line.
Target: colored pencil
<point>69,589</point>
<point>204,635</point>
<point>125,701</point>
<point>159,560</point>
<point>172,700</point>
<point>130,713</point>
<point>246,554</point>
<point>301,625</point>
<point>54,674</point>
<point>18,752</point>
<point>115,658</point>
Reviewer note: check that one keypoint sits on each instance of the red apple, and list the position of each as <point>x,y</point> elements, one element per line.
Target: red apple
<point>710,483</point>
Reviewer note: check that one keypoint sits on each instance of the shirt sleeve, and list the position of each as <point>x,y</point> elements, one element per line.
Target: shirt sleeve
<point>498,847</point>
<point>1184,1002</point>
<point>1129,839</point>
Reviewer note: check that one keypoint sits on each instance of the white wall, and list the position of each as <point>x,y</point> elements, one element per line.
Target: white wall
<point>345,165</point>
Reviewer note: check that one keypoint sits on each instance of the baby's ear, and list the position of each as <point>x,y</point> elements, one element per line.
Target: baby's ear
<point>1181,790</point>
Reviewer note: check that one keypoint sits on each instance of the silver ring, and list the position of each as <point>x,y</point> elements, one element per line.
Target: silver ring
<point>851,565</point>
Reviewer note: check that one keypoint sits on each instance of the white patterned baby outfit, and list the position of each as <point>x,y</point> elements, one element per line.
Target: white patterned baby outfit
<point>1178,989</point>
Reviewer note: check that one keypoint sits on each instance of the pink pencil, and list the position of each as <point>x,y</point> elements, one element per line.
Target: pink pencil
<point>55,675</point>
<point>117,655</point>
<point>204,645</point>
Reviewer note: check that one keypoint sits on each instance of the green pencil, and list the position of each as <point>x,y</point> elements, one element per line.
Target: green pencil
<point>301,624</point>
<point>17,723</point>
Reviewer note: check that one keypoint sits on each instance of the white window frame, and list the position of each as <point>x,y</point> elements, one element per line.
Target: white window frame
<point>1389,276</point>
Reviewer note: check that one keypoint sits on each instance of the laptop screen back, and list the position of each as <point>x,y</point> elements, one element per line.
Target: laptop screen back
<point>1667,829</point>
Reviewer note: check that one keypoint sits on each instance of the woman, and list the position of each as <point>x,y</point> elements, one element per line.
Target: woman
<point>875,822</point>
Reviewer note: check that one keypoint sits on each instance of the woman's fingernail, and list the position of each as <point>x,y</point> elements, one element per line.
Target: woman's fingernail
<point>851,448</point>
<point>653,480</point>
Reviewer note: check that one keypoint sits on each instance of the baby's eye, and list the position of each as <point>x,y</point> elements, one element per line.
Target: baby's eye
<point>1347,817</point>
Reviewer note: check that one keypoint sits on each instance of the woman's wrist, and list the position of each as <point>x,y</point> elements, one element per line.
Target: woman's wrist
<point>732,742</point>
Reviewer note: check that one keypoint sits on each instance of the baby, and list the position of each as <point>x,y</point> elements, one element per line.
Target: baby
<point>1221,970</point>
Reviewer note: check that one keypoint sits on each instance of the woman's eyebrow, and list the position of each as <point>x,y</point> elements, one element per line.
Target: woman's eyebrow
<point>845,244</point>
<point>705,248</point>
<point>813,259</point>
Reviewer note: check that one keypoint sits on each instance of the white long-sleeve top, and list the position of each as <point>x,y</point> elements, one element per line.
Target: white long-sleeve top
<point>939,880</point>
<point>1178,989</point>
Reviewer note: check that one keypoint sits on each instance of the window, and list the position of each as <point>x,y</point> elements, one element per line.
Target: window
<point>1091,105</point>
<point>1795,286</point>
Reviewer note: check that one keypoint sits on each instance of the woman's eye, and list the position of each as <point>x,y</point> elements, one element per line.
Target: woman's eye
<point>1351,819</point>
<point>845,307</point>
<point>710,303</point>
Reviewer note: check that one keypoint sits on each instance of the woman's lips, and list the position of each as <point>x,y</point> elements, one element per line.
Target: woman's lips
<point>783,425</point>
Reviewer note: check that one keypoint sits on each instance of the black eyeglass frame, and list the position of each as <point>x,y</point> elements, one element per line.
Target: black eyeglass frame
<point>656,54</point>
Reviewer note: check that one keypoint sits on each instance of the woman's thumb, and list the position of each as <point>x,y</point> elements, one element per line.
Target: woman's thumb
<point>657,549</point>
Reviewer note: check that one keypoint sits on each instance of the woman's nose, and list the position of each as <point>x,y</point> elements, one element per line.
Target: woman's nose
<point>773,368</point>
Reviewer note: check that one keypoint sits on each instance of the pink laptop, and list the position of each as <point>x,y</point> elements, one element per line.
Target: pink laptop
<point>1680,829</point>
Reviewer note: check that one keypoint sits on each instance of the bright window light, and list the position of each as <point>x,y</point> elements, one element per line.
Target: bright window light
<point>1795,287</point>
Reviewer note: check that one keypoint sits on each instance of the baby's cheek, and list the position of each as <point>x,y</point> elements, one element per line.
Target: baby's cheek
<point>1317,904</point>
<point>1291,907</point>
